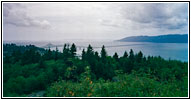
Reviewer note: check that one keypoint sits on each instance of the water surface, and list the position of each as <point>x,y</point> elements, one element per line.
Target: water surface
<point>177,51</point>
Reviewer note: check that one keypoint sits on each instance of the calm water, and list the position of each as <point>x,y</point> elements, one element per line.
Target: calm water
<point>178,51</point>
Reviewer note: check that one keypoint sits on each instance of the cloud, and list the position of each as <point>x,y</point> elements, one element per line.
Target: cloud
<point>16,14</point>
<point>164,16</point>
<point>92,20</point>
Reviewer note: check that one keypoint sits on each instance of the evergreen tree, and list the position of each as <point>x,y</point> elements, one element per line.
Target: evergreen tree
<point>73,50</point>
<point>139,56</point>
<point>89,53</point>
<point>30,56</point>
<point>131,55</point>
<point>103,53</point>
<point>83,54</point>
<point>66,52</point>
<point>125,55</point>
<point>65,47</point>
<point>115,56</point>
<point>97,55</point>
<point>131,61</point>
<point>89,50</point>
<point>49,56</point>
<point>37,57</point>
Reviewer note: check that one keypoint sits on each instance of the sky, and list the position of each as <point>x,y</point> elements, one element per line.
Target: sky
<point>92,20</point>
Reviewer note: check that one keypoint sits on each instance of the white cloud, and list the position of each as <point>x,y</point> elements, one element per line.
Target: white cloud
<point>15,14</point>
<point>95,20</point>
<point>149,18</point>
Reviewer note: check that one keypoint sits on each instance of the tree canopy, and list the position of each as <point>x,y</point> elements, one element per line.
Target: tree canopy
<point>27,69</point>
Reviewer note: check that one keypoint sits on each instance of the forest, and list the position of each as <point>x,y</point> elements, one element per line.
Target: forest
<point>29,69</point>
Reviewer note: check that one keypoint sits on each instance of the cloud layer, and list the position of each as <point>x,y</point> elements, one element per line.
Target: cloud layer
<point>92,20</point>
<point>152,15</point>
<point>16,14</point>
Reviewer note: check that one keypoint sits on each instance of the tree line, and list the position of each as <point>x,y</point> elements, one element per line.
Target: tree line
<point>31,68</point>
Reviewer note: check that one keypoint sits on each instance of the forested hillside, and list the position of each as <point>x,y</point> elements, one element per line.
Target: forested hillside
<point>171,38</point>
<point>29,70</point>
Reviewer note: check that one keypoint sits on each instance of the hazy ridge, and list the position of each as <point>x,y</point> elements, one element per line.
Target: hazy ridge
<point>171,38</point>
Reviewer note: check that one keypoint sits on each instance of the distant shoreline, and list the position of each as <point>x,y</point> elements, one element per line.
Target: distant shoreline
<point>171,38</point>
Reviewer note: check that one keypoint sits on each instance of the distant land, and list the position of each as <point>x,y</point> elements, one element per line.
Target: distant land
<point>170,38</point>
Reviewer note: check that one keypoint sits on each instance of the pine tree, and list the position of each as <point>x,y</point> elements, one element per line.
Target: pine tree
<point>66,53</point>
<point>131,64</point>
<point>89,50</point>
<point>73,50</point>
<point>83,54</point>
<point>97,55</point>
<point>131,55</point>
<point>140,56</point>
<point>115,56</point>
<point>49,54</point>
<point>103,53</point>
<point>89,53</point>
<point>30,56</point>
<point>125,55</point>
<point>64,47</point>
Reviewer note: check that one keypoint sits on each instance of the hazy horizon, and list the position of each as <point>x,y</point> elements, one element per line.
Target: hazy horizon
<point>77,40</point>
<point>91,21</point>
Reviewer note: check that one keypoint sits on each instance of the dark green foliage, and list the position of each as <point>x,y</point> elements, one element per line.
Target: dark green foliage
<point>30,56</point>
<point>83,54</point>
<point>8,49</point>
<point>73,50</point>
<point>48,55</point>
<point>16,55</point>
<point>125,55</point>
<point>63,74</point>
<point>139,56</point>
<point>89,54</point>
<point>103,53</point>
<point>131,55</point>
<point>66,52</point>
<point>115,56</point>
<point>41,64</point>
<point>97,56</point>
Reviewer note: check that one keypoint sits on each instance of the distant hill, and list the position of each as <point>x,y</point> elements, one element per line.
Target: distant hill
<point>8,49</point>
<point>171,38</point>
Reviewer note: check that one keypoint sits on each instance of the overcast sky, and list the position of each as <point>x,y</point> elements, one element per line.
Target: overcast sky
<point>59,21</point>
